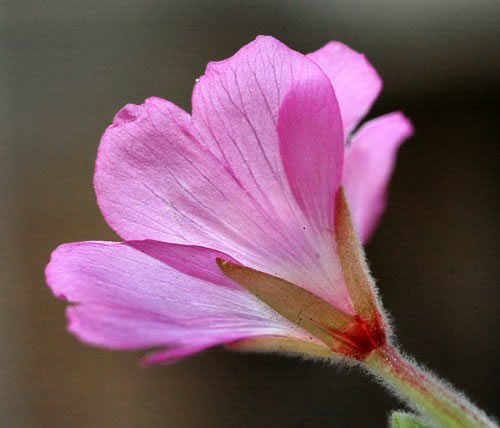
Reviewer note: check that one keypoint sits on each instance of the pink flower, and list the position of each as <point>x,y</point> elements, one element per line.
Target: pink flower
<point>251,177</point>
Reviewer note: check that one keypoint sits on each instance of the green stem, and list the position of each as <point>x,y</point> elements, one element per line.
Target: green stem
<point>424,392</point>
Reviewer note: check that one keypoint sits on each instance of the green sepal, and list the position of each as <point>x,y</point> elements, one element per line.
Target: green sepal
<point>407,420</point>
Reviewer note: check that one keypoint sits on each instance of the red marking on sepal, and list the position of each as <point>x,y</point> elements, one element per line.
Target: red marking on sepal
<point>360,337</point>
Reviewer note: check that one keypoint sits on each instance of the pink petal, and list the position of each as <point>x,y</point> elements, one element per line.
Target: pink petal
<point>141,294</point>
<point>355,81</point>
<point>239,105</point>
<point>173,355</point>
<point>217,179</point>
<point>312,148</point>
<point>368,166</point>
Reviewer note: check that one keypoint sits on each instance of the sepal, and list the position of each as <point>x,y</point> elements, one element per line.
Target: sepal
<point>284,345</point>
<point>359,282</point>
<point>407,420</point>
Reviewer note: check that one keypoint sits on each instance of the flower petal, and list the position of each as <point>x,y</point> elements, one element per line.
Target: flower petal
<point>217,179</point>
<point>173,355</point>
<point>238,106</point>
<point>368,166</point>
<point>141,294</point>
<point>355,81</point>
<point>312,148</point>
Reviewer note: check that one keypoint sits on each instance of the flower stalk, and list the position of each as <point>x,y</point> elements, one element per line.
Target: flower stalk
<point>435,400</point>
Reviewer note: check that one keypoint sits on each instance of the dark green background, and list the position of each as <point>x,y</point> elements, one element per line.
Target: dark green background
<point>68,66</point>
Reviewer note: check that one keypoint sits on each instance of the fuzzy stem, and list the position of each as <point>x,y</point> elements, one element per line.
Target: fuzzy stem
<point>424,392</point>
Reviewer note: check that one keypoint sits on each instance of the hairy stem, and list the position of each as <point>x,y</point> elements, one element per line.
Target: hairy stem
<point>423,392</point>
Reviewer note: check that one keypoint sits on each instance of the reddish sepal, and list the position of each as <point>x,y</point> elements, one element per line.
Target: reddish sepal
<point>360,337</point>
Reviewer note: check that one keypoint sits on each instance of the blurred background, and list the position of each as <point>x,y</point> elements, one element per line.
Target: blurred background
<point>66,67</point>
